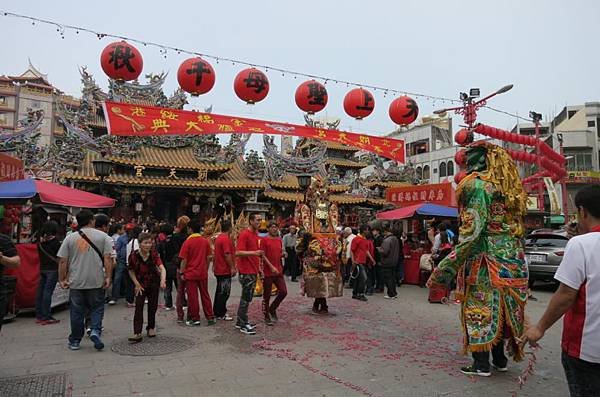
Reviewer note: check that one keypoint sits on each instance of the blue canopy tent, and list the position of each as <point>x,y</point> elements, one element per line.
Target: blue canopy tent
<point>424,209</point>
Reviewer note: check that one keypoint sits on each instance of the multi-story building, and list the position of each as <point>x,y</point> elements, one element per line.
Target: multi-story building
<point>430,149</point>
<point>32,91</point>
<point>579,127</point>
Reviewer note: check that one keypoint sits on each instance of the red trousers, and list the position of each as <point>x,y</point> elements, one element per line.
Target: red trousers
<point>192,287</point>
<point>268,282</point>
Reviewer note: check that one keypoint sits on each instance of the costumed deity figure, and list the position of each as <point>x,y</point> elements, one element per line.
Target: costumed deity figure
<point>489,261</point>
<point>318,249</point>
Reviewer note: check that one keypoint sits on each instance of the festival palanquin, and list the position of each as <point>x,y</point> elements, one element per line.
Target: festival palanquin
<point>489,261</point>
<point>318,216</point>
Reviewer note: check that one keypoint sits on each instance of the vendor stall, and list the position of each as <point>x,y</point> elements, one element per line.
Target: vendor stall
<point>417,213</point>
<point>27,194</point>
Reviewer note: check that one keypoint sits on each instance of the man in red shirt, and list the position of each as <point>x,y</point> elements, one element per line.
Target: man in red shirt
<point>224,269</point>
<point>272,245</point>
<point>194,270</point>
<point>248,258</point>
<point>360,256</point>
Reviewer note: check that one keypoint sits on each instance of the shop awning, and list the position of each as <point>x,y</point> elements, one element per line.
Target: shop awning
<point>419,209</point>
<point>52,193</point>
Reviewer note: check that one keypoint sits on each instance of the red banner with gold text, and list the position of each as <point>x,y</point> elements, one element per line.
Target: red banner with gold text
<point>140,120</point>
<point>441,193</point>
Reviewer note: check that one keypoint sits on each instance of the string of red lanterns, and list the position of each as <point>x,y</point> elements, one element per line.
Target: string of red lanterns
<point>121,61</point>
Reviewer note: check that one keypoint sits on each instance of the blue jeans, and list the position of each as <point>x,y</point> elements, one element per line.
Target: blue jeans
<point>122,276</point>
<point>84,301</point>
<point>43,301</point>
<point>360,280</point>
<point>248,282</point>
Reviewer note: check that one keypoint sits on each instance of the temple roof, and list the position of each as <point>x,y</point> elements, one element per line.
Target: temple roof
<point>334,198</point>
<point>180,158</point>
<point>344,163</point>
<point>341,146</point>
<point>290,182</point>
<point>233,178</point>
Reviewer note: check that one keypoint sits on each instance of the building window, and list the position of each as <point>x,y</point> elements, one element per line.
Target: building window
<point>3,119</point>
<point>443,169</point>
<point>450,167</point>
<point>426,173</point>
<point>571,113</point>
<point>2,100</point>
<point>419,173</point>
<point>418,147</point>
<point>591,123</point>
<point>579,161</point>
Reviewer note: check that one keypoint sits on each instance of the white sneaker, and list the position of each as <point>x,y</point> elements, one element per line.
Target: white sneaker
<point>112,302</point>
<point>390,297</point>
<point>500,369</point>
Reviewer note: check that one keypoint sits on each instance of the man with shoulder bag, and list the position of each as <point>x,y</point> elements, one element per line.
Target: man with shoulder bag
<point>85,267</point>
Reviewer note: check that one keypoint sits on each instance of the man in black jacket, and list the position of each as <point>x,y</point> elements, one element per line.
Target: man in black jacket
<point>390,252</point>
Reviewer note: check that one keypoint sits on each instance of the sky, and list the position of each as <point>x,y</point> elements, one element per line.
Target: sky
<point>547,49</point>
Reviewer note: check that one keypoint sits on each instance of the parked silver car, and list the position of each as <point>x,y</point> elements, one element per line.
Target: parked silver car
<point>544,250</point>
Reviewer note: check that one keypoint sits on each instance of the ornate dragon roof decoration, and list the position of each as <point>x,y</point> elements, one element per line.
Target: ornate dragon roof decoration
<point>23,143</point>
<point>277,164</point>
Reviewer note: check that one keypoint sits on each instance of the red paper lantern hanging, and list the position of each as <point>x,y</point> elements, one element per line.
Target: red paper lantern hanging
<point>359,103</point>
<point>311,96</point>
<point>121,61</point>
<point>403,110</point>
<point>251,85</point>
<point>461,157</point>
<point>463,137</point>
<point>196,76</point>
<point>459,177</point>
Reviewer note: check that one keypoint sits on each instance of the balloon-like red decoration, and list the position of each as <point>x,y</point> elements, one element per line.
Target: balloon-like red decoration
<point>311,96</point>
<point>196,76</point>
<point>251,85</point>
<point>403,110</point>
<point>459,177</point>
<point>359,103</point>
<point>463,137</point>
<point>121,61</point>
<point>461,157</point>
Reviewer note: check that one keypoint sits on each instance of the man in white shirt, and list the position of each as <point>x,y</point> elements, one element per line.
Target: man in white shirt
<point>578,298</point>
<point>348,236</point>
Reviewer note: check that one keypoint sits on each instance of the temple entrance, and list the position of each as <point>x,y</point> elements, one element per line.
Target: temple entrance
<point>169,208</point>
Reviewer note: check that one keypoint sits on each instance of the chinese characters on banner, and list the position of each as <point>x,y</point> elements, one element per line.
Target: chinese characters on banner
<point>410,195</point>
<point>140,120</point>
<point>11,169</point>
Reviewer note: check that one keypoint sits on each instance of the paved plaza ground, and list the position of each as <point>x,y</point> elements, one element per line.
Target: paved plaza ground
<point>405,347</point>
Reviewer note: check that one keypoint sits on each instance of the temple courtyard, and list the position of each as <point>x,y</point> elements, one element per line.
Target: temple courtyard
<point>403,347</point>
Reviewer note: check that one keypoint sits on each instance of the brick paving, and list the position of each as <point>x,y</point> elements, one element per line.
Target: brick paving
<point>380,348</point>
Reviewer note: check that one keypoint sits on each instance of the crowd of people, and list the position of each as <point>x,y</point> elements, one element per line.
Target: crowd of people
<point>102,261</point>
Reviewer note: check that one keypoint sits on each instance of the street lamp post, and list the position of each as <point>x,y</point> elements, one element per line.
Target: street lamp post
<point>304,183</point>
<point>102,169</point>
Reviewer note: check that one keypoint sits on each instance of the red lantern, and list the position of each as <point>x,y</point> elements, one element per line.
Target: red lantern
<point>311,96</point>
<point>463,137</point>
<point>461,157</point>
<point>196,76</point>
<point>459,177</point>
<point>251,85</point>
<point>403,110</point>
<point>359,103</point>
<point>121,61</point>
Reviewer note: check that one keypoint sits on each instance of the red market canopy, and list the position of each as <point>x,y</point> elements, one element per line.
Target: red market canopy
<point>424,209</point>
<point>52,193</point>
